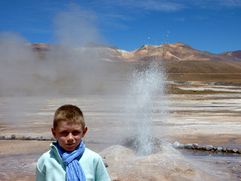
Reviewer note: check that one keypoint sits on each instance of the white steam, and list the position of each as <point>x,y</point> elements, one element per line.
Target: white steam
<point>145,87</point>
<point>17,65</point>
<point>76,27</point>
<point>71,67</point>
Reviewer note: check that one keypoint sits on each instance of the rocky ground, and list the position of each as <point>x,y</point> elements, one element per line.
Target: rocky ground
<point>208,118</point>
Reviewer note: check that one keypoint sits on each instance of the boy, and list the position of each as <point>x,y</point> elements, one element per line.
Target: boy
<point>68,159</point>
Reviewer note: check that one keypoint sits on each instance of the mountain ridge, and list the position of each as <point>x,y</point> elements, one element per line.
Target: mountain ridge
<point>177,57</point>
<point>172,52</point>
<point>178,52</point>
<point>181,62</point>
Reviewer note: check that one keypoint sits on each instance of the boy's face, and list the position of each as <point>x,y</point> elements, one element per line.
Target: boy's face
<point>68,135</point>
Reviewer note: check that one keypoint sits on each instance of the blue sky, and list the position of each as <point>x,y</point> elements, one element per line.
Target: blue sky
<point>210,25</point>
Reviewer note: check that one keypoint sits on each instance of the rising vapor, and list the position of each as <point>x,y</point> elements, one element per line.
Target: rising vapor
<point>71,67</point>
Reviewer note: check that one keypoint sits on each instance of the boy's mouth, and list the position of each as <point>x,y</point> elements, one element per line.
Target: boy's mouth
<point>70,146</point>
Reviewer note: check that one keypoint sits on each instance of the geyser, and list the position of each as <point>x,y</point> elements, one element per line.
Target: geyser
<point>146,84</point>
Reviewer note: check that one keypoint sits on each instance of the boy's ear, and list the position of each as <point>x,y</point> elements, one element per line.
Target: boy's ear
<point>53,132</point>
<point>85,130</point>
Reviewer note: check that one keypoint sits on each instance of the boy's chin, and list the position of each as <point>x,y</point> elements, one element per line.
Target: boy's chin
<point>70,148</point>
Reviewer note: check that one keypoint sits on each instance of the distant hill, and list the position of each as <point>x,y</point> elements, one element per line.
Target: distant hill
<point>177,52</point>
<point>235,54</point>
<point>177,58</point>
<point>181,58</point>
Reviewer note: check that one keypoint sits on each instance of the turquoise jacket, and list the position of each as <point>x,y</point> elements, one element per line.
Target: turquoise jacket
<point>50,166</point>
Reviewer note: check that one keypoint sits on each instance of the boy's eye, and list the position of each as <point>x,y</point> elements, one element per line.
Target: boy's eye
<point>64,133</point>
<point>75,133</point>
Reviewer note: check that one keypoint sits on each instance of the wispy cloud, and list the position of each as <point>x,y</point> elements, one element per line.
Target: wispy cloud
<point>118,13</point>
<point>167,5</point>
<point>230,3</point>
<point>124,10</point>
<point>153,5</point>
<point>211,4</point>
<point>150,5</point>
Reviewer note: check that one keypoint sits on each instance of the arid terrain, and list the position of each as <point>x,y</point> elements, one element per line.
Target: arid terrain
<point>203,118</point>
<point>200,102</point>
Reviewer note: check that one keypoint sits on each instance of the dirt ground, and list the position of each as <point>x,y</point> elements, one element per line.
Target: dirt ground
<point>199,117</point>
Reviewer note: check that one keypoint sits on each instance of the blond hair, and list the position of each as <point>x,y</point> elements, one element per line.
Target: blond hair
<point>70,113</point>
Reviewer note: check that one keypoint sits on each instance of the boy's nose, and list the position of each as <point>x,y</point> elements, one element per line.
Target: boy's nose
<point>70,137</point>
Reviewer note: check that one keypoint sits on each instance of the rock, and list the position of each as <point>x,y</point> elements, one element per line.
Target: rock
<point>212,148</point>
<point>229,150</point>
<point>219,148</point>
<point>209,147</point>
<point>235,150</point>
<point>195,146</point>
<point>167,165</point>
<point>188,146</point>
<point>176,144</point>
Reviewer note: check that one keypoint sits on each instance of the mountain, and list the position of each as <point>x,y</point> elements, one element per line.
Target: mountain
<point>177,58</point>
<point>235,54</point>
<point>176,52</point>
<point>181,58</point>
<point>164,52</point>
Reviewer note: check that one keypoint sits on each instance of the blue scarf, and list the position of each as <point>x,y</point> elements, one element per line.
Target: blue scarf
<point>74,171</point>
